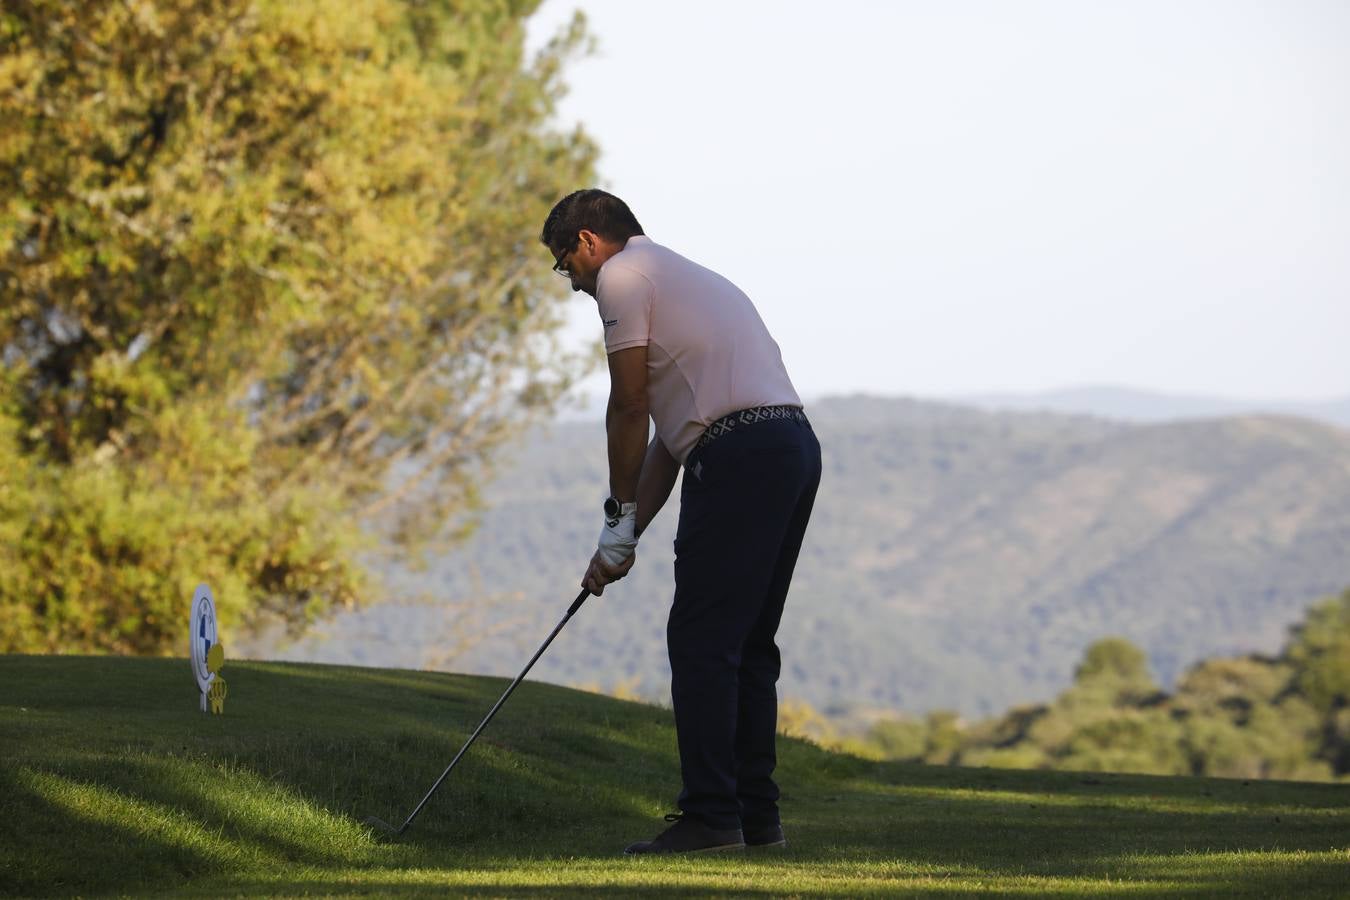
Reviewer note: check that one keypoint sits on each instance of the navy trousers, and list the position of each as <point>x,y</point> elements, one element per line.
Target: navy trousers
<point>744,506</point>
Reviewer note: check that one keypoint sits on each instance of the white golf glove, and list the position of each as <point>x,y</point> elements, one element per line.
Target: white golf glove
<point>617,542</point>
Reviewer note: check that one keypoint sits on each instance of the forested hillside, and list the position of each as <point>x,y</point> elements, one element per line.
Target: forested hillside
<point>958,559</point>
<point>1252,716</point>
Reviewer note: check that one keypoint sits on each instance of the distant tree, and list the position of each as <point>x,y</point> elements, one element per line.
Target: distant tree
<point>797,718</point>
<point>1231,686</point>
<point>1117,668</point>
<point>943,739</point>
<point>1113,677</point>
<point>1243,717</point>
<point>1022,755</point>
<point>269,285</point>
<point>1272,742</point>
<point>1319,651</point>
<point>1147,741</point>
<point>898,739</point>
<point>1014,726</point>
<point>1239,719</point>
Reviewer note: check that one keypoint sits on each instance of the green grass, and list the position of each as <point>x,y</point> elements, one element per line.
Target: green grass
<point>111,782</point>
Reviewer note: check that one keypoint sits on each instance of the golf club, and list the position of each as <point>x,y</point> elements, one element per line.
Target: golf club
<point>380,823</point>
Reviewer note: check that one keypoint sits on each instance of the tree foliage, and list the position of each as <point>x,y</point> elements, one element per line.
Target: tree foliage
<point>1321,650</point>
<point>1117,667</point>
<point>1243,717</point>
<point>270,288</point>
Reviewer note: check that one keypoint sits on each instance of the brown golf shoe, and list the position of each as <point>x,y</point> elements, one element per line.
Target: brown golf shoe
<point>689,835</point>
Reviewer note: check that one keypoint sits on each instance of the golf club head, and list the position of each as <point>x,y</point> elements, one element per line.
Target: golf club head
<point>384,826</point>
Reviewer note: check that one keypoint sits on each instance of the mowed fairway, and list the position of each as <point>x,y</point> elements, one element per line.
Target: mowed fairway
<point>112,782</point>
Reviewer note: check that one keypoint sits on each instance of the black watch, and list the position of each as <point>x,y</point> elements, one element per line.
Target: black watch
<point>614,509</point>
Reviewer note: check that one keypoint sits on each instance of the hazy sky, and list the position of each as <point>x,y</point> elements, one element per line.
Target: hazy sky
<point>955,197</point>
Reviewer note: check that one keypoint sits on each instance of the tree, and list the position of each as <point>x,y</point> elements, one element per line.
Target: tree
<point>900,739</point>
<point>1231,687</point>
<point>1319,650</point>
<point>1118,668</point>
<point>943,737</point>
<point>1146,741</point>
<point>1112,678</point>
<point>270,289</point>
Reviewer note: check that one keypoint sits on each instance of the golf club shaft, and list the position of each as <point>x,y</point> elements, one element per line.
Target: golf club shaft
<point>576,605</point>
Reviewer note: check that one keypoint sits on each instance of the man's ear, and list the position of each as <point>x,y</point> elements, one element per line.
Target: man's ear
<point>590,239</point>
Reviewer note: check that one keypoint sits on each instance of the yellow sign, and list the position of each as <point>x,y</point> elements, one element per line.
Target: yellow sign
<point>215,661</point>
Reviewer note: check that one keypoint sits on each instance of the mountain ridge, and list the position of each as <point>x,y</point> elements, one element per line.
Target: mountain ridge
<point>958,557</point>
<point>1135,405</point>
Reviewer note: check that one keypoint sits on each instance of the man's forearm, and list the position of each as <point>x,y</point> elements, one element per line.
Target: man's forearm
<point>626,426</point>
<point>659,470</point>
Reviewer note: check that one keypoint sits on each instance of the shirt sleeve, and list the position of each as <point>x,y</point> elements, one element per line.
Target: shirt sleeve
<point>624,297</point>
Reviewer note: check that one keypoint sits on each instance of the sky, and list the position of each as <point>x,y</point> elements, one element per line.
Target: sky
<point>952,198</point>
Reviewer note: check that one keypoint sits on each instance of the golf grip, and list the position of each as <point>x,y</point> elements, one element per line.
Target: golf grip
<point>576,605</point>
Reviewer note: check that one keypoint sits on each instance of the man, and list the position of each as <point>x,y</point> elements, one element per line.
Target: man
<point>687,348</point>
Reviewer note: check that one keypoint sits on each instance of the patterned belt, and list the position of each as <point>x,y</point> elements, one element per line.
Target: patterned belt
<point>731,421</point>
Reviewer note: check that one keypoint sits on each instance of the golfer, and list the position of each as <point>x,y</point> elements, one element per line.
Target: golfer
<point>687,349</point>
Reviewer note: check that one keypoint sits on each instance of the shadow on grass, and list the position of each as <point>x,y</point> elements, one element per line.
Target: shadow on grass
<point>740,877</point>
<point>506,887</point>
<point>516,887</point>
<point>1270,873</point>
<point>506,800</point>
<point>1247,792</point>
<point>988,829</point>
<point>285,779</point>
<point>49,850</point>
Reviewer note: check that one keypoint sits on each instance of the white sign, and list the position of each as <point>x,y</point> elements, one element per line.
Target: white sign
<point>201,638</point>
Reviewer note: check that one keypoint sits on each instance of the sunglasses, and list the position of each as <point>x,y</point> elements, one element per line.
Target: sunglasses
<point>558,265</point>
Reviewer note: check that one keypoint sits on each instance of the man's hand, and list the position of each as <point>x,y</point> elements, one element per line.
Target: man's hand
<point>599,574</point>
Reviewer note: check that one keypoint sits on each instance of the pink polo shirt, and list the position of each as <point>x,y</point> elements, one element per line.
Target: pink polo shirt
<point>708,352</point>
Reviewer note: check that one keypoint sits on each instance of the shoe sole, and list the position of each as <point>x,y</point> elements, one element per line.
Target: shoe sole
<point>775,845</point>
<point>724,848</point>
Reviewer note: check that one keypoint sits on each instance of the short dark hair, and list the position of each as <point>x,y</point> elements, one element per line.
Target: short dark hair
<point>592,209</point>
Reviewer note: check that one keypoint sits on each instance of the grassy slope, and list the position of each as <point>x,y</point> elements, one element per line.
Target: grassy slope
<point>111,781</point>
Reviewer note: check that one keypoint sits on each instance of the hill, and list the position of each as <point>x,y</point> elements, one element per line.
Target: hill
<point>113,783</point>
<point>958,558</point>
<point>1151,406</point>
